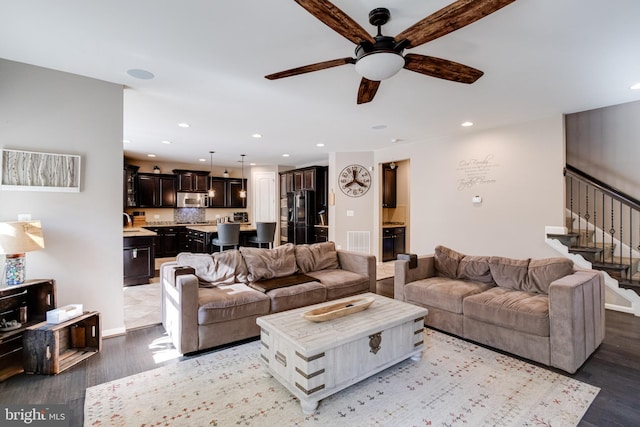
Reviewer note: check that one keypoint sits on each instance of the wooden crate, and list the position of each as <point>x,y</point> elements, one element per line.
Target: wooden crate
<point>50,349</point>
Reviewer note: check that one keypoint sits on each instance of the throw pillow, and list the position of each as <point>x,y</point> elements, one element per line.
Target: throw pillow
<point>544,271</point>
<point>317,256</point>
<point>446,261</point>
<point>475,268</point>
<point>220,268</point>
<point>269,263</point>
<point>509,273</point>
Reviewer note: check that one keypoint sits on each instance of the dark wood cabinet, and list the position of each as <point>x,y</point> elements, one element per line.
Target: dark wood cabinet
<point>393,243</point>
<point>156,190</point>
<point>389,182</point>
<point>167,240</point>
<point>198,241</point>
<point>192,181</point>
<point>130,190</point>
<point>321,234</point>
<point>234,187</point>
<point>27,304</point>
<point>219,186</point>
<point>139,259</point>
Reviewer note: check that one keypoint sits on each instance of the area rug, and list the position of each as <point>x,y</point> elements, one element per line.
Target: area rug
<point>456,383</point>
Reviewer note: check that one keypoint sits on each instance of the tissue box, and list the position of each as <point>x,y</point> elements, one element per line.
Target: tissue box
<point>63,314</point>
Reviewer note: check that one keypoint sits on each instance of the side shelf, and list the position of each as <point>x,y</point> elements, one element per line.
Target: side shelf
<point>28,304</point>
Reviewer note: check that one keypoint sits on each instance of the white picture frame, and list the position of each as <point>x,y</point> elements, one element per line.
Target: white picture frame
<point>33,171</point>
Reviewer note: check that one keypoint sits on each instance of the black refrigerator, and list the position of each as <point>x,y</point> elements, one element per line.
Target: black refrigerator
<point>302,214</point>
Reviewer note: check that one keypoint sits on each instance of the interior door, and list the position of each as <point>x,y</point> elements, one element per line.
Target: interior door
<point>264,197</point>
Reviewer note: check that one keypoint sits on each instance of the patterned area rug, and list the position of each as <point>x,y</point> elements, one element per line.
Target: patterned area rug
<point>456,383</point>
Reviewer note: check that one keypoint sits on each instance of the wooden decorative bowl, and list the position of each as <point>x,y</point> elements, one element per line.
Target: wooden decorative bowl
<point>340,309</point>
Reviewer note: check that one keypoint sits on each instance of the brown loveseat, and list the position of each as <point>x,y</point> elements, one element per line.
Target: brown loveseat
<point>542,310</point>
<point>214,299</point>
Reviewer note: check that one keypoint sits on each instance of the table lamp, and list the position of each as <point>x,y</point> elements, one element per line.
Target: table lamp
<point>17,238</point>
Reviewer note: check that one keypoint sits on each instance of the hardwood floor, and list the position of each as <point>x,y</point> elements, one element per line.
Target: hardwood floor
<point>615,368</point>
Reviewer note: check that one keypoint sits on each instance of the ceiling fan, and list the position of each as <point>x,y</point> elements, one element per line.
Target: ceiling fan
<point>380,57</point>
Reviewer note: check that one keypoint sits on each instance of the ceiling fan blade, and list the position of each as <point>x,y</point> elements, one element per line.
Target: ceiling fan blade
<point>441,68</point>
<point>312,67</point>
<point>449,19</point>
<point>337,20</point>
<point>367,90</point>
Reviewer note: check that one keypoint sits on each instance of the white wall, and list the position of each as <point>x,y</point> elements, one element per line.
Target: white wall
<point>362,207</point>
<point>521,184</point>
<point>50,111</point>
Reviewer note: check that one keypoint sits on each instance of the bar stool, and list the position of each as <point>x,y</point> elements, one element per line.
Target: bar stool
<point>265,232</point>
<point>228,235</point>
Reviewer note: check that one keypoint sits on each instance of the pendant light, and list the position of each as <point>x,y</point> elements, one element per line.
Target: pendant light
<point>243,192</point>
<point>212,192</point>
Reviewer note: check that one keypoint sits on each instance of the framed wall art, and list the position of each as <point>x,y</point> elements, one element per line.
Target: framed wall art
<point>31,171</point>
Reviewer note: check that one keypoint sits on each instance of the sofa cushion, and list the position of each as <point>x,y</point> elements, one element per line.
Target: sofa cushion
<point>542,272</point>
<point>226,267</point>
<point>341,283</point>
<point>475,268</point>
<point>443,293</point>
<point>280,282</point>
<point>521,311</point>
<point>317,256</point>
<point>229,302</point>
<point>447,261</point>
<point>297,296</point>
<point>509,273</point>
<point>269,263</point>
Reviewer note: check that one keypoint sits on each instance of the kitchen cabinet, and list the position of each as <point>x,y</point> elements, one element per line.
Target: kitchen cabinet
<point>286,184</point>
<point>27,304</point>
<point>389,182</point>
<point>192,181</point>
<point>130,181</point>
<point>227,192</point>
<point>321,234</point>
<point>234,186</point>
<point>198,241</point>
<point>156,190</point>
<point>393,243</point>
<point>167,242</point>
<point>139,259</point>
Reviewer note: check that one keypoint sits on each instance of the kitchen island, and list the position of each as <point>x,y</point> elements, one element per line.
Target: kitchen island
<point>138,255</point>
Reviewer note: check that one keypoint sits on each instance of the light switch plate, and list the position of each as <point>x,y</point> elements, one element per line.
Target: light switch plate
<point>349,213</point>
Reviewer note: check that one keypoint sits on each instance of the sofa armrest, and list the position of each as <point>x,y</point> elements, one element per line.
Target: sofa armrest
<point>180,306</point>
<point>576,318</point>
<point>404,275</point>
<point>359,263</point>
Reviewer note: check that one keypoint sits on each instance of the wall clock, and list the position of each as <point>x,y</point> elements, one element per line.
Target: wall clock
<point>354,180</point>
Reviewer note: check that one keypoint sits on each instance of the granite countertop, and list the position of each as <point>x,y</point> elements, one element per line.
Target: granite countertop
<point>137,232</point>
<point>393,224</point>
<point>214,228</point>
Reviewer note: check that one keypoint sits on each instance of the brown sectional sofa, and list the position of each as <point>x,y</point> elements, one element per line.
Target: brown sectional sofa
<point>214,299</point>
<point>542,310</point>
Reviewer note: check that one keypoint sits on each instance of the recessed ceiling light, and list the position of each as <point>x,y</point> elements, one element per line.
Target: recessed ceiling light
<point>635,86</point>
<point>184,125</point>
<point>125,141</point>
<point>378,127</point>
<point>166,142</point>
<point>151,155</point>
<point>257,135</point>
<point>285,155</point>
<point>320,144</point>
<point>140,74</point>
<point>202,160</point>
<point>252,164</point>
<point>394,140</point>
<point>467,124</point>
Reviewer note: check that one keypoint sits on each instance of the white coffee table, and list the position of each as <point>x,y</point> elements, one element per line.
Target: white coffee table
<point>315,360</point>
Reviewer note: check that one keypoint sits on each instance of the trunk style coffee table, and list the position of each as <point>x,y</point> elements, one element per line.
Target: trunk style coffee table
<point>315,360</point>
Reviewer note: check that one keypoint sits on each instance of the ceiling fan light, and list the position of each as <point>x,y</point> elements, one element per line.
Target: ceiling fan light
<point>378,66</point>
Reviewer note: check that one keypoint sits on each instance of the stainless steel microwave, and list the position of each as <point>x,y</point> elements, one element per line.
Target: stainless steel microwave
<point>192,200</point>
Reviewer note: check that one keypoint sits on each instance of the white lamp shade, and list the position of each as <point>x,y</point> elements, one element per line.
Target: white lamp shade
<point>378,66</point>
<point>20,236</point>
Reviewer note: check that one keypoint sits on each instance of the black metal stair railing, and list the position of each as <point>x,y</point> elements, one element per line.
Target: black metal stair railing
<point>604,225</point>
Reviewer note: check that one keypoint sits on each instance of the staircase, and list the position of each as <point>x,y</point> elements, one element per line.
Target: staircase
<point>602,231</point>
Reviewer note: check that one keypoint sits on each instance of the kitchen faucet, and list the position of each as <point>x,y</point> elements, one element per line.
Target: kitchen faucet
<point>129,220</point>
